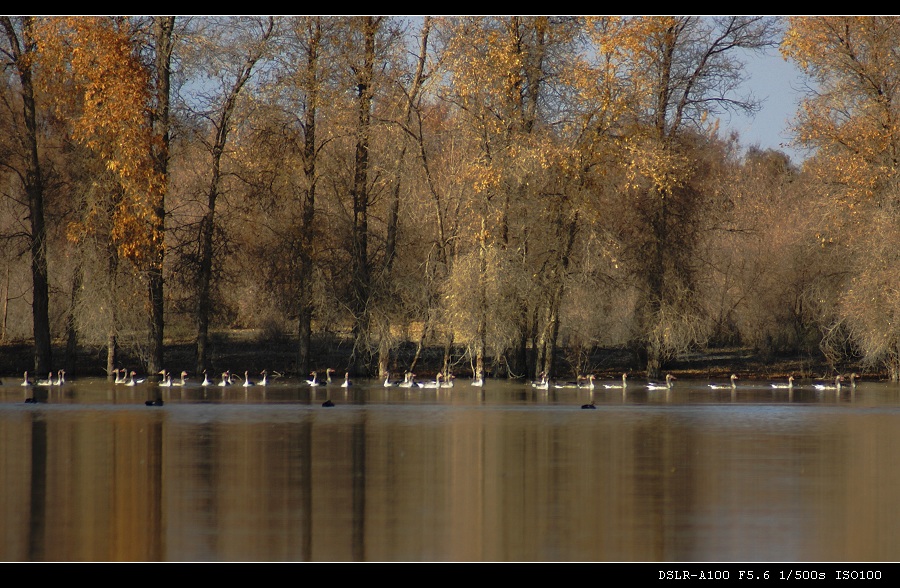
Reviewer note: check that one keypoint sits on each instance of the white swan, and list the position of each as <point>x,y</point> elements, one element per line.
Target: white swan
<point>47,382</point>
<point>543,384</point>
<point>435,384</point>
<point>121,376</point>
<point>658,386</point>
<point>387,381</point>
<point>725,386</point>
<point>407,380</point>
<point>247,381</point>
<point>206,381</point>
<point>315,379</point>
<point>183,380</point>
<point>26,381</point>
<point>836,386</point>
<point>624,383</point>
<point>478,380</point>
<point>167,381</point>
<point>790,383</point>
<point>265,378</point>
<point>590,382</point>
<point>347,383</point>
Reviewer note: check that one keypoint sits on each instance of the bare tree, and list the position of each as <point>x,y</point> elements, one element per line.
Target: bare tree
<point>219,105</point>
<point>19,50</point>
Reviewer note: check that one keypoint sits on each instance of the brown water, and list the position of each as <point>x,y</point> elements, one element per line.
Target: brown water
<point>507,473</point>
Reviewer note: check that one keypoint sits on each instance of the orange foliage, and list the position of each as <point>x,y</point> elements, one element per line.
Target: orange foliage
<point>852,119</point>
<point>96,82</point>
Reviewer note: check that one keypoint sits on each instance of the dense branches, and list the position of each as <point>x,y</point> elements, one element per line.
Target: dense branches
<point>515,190</point>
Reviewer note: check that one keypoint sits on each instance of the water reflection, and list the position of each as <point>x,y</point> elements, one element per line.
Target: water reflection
<point>504,473</point>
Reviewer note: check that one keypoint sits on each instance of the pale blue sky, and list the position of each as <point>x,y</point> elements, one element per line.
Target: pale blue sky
<point>778,82</point>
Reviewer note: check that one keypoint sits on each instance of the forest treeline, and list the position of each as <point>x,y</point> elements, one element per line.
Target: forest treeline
<point>522,188</point>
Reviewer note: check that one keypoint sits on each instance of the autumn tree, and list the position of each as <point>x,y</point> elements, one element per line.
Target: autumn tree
<point>502,70</point>
<point>683,70</point>
<point>103,89</point>
<point>851,119</point>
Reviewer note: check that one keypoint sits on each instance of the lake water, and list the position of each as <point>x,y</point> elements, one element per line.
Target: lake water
<point>503,473</point>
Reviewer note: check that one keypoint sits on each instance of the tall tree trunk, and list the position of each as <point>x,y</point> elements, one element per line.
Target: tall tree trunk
<point>558,288</point>
<point>361,272</point>
<point>5,306</point>
<point>112,333</point>
<point>481,329</point>
<point>204,275</point>
<point>71,355</point>
<point>893,364</point>
<point>164,27</point>
<point>23,50</point>
<point>307,218</point>
<point>655,284</point>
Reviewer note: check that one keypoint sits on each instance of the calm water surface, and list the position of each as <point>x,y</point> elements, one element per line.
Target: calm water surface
<point>503,473</point>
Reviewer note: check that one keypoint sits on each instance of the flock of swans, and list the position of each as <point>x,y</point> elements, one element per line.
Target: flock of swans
<point>441,381</point>
<point>587,382</point>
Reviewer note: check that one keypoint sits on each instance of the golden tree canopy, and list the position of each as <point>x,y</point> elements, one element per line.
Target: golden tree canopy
<point>852,117</point>
<point>93,75</point>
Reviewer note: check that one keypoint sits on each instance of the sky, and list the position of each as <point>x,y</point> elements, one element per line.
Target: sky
<point>777,82</point>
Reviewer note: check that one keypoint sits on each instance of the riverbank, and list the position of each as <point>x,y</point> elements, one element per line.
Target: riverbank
<point>240,351</point>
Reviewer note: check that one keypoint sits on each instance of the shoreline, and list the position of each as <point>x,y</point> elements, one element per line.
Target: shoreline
<point>239,351</point>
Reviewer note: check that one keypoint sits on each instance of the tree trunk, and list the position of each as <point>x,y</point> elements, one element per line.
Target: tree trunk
<point>481,332</point>
<point>204,278</point>
<point>558,288</point>
<point>361,273</point>
<point>384,359</point>
<point>71,355</point>
<point>112,343</point>
<point>893,364</point>
<point>156,321</point>
<point>23,50</point>
<point>305,302</point>
<point>655,284</point>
